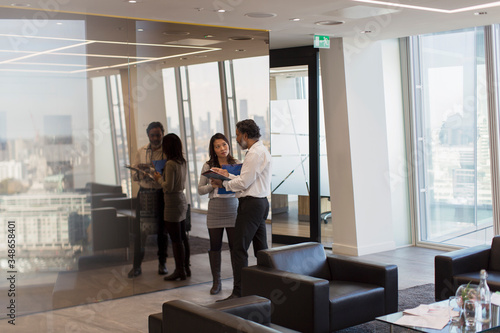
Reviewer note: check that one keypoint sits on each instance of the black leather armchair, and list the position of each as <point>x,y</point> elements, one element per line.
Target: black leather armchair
<point>245,314</point>
<point>314,292</point>
<point>463,266</point>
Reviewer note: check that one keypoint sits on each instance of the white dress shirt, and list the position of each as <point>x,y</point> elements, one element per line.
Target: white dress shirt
<point>146,155</point>
<point>255,177</point>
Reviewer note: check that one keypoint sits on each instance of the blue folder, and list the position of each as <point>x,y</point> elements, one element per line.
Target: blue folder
<point>234,169</point>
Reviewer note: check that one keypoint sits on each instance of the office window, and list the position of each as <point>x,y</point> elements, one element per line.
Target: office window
<point>452,138</point>
<point>203,118</point>
<point>248,96</point>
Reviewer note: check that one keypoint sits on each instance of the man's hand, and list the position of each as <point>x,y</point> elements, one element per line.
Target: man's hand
<point>216,183</point>
<point>220,171</point>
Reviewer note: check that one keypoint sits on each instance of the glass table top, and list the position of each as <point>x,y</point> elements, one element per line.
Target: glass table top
<point>450,327</point>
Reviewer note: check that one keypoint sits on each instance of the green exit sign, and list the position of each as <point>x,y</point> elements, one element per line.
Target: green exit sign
<point>321,42</point>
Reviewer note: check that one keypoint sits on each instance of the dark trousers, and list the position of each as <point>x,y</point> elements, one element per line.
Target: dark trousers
<point>140,239</point>
<point>250,227</point>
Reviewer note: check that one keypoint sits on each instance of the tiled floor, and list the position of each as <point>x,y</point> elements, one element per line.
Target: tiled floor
<point>130,314</point>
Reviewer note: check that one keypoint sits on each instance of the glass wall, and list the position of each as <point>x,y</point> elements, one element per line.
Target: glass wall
<point>290,150</point>
<point>78,93</point>
<point>452,138</point>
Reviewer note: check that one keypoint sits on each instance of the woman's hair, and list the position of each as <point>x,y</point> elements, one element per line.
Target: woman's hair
<point>214,160</point>
<point>172,147</point>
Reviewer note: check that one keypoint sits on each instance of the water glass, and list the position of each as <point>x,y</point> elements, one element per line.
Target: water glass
<point>470,312</point>
<point>454,308</point>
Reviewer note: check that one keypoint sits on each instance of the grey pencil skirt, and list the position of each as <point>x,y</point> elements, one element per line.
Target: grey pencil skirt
<point>222,212</point>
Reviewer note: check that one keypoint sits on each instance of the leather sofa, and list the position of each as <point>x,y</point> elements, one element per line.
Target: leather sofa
<point>245,314</point>
<point>314,292</point>
<point>463,266</point>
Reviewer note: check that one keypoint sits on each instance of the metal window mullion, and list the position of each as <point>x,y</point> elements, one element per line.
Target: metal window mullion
<point>224,100</point>
<point>114,145</point>
<point>123,131</point>
<point>193,143</point>
<point>182,124</point>
<point>235,107</point>
<point>491,55</point>
<point>410,137</point>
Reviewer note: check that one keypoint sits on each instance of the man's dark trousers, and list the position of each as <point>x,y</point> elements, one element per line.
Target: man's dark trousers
<point>250,226</point>
<point>140,240</point>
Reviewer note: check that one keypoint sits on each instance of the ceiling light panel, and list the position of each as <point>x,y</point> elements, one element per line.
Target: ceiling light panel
<point>42,53</point>
<point>446,7</point>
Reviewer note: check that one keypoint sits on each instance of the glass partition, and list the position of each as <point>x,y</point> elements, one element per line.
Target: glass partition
<point>78,93</point>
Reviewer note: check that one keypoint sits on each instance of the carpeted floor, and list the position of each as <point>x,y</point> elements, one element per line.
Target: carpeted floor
<point>408,298</point>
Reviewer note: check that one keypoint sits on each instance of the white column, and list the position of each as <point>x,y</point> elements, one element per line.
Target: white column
<point>354,90</point>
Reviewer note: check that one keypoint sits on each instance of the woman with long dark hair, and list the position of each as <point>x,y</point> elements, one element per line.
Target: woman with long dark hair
<point>173,182</point>
<point>222,206</point>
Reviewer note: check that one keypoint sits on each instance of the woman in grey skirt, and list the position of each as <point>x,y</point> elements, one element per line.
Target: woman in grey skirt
<point>222,206</point>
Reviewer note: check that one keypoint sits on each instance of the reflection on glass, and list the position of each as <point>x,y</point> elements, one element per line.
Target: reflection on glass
<point>251,96</point>
<point>453,157</point>
<point>203,113</point>
<point>290,151</point>
<point>77,95</point>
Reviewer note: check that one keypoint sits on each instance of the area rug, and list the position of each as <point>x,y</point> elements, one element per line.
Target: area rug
<point>408,298</point>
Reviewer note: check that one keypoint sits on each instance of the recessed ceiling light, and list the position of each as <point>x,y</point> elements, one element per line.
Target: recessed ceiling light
<point>240,38</point>
<point>329,22</point>
<point>295,19</point>
<point>183,58</point>
<point>20,5</point>
<point>260,15</point>
<point>59,23</point>
<point>240,50</point>
<point>140,29</point>
<point>176,33</point>
<point>208,36</point>
<point>220,10</point>
<point>200,56</point>
<point>132,1</point>
<point>366,32</point>
<point>480,13</point>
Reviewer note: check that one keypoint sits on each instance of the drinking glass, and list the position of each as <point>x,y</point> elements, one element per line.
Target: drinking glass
<point>455,309</point>
<point>470,312</point>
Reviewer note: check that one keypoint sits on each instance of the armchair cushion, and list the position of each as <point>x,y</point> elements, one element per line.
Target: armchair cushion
<point>346,300</point>
<point>310,260</point>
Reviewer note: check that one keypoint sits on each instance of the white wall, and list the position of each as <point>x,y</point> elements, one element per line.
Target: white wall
<point>359,106</point>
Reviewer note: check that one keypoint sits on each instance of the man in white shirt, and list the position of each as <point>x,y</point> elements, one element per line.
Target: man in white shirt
<point>252,187</point>
<point>150,157</point>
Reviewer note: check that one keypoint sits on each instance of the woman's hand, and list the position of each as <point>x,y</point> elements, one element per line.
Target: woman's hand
<point>216,183</point>
<point>157,175</point>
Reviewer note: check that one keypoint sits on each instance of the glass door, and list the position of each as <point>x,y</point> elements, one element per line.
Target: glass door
<point>295,199</point>
<point>290,151</point>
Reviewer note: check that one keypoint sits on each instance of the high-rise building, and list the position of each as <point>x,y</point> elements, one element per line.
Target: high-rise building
<point>3,136</point>
<point>243,109</point>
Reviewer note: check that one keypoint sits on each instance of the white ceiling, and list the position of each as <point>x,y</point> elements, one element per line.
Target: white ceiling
<point>382,20</point>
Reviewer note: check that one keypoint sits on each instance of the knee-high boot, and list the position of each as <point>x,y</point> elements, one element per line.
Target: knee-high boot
<point>179,273</point>
<point>187,256</point>
<point>215,260</point>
